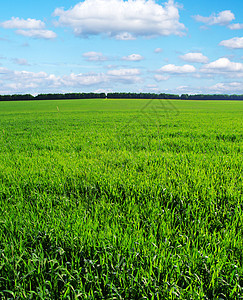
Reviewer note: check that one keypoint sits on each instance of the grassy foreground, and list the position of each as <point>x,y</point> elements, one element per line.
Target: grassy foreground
<point>121,199</point>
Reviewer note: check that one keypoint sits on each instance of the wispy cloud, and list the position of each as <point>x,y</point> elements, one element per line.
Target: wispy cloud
<point>159,77</point>
<point>158,50</point>
<point>94,56</point>
<point>37,33</point>
<point>21,61</point>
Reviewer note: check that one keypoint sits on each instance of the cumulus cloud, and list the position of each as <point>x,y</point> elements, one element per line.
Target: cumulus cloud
<point>17,23</point>
<point>125,75</point>
<point>173,69</point>
<point>234,43</point>
<point>29,28</point>
<point>225,67</point>
<point>236,26</point>
<point>222,18</point>
<point>94,56</point>
<point>133,57</point>
<point>122,19</point>
<point>227,87</point>
<point>194,57</point>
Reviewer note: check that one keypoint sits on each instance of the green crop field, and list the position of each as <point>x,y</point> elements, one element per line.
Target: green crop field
<point>121,199</point>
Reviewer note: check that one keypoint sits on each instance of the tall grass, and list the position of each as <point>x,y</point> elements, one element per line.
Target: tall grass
<point>103,199</point>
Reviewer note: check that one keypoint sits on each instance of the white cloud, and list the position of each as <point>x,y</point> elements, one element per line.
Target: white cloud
<point>30,28</point>
<point>17,23</point>
<point>125,36</point>
<point>222,18</point>
<point>125,75</point>
<point>158,50</point>
<point>24,81</point>
<point>182,88</point>
<point>224,67</point>
<point>37,33</point>
<point>94,56</point>
<point>83,79</point>
<point>173,69</point>
<point>124,72</point>
<point>224,64</point>
<point>122,19</point>
<point>227,87</point>
<point>159,77</point>
<point>234,43</point>
<point>194,57</point>
<point>133,57</point>
<point>151,86</point>
<point>236,26</point>
<point>37,82</point>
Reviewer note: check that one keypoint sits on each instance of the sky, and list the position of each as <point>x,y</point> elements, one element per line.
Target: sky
<point>62,46</point>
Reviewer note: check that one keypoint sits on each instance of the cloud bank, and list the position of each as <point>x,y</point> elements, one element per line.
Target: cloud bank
<point>32,82</point>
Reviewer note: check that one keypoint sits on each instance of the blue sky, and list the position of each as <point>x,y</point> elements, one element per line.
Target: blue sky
<point>115,45</point>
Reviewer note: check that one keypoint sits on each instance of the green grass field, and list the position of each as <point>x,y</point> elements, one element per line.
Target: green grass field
<point>121,199</point>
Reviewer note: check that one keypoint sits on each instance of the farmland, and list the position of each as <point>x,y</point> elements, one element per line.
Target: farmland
<point>121,199</point>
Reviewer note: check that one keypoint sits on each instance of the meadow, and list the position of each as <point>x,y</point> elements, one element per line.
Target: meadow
<point>121,199</point>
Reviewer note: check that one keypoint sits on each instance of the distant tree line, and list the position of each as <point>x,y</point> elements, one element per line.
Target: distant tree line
<point>141,96</point>
<point>19,97</point>
<point>173,96</point>
<point>70,96</point>
<point>211,97</point>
